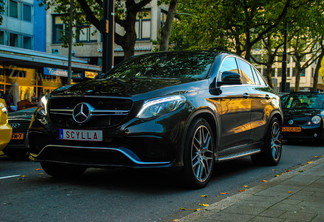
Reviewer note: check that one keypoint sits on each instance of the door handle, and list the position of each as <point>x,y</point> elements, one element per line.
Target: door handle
<point>246,95</point>
<point>267,96</point>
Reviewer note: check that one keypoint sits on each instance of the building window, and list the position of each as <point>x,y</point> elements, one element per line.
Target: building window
<point>288,72</point>
<point>87,35</point>
<point>279,72</point>
<point>3,7</point>
<point>27,42</point>
<point>13,40</point>
<point>303,73</point>
<point>27,13</point>
<point>58,29</point>
<point>13,9</point>
<point>2,38</point>
<point>273,72</point>
<point>143,25</point>
<point>294,72</point>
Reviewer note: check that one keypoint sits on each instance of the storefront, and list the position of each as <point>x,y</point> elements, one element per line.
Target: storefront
<point>28,74</point>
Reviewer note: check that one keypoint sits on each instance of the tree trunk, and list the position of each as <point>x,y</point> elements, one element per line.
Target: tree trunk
<point>269,75</point>
<point>318,66</point>
<point>298,72</point>
<point>166,30</point>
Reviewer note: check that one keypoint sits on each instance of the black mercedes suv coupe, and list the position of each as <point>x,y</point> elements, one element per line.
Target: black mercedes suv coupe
<point>175,110</point>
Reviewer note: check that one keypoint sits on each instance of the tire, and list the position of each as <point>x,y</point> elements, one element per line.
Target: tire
<point>198,155</point>
<point>271,151</point>
<point>16,154</point>
<point>62,170</point>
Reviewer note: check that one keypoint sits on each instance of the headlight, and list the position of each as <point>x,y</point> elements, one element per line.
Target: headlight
<point>43,104</point>
<point>4,110</point>
<point>160,106</point>
<point>316,119</point>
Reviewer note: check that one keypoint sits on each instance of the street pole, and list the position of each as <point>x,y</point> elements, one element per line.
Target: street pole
<point>107,31</point>
<point>284,61</point>
<point>70,44</point>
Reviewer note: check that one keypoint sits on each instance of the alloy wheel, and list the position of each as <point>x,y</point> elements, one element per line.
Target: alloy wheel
<point>202,153</point>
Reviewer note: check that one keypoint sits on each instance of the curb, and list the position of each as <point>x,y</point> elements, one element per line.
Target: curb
<point>229,201</point>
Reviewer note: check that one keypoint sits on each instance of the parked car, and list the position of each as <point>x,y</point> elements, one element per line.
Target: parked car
<point>5,129</point>
<point>303,116</point>
<point>19,121</point>
<point>179,110</point>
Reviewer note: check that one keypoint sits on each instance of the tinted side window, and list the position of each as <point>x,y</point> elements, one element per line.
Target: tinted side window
<point>246,72</point>
<point>258,75</point>
<point>229,65</point>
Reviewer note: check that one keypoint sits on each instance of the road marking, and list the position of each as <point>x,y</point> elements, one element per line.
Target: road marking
<point>7,177</point>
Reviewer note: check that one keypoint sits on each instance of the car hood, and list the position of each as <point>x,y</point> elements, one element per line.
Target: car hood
<point>295,113</point>
<point>25,114</point>
<point>118,87</point>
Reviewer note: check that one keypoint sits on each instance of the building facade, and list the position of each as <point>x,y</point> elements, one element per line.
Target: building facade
<point>26,70</point>
<point>147,27</point>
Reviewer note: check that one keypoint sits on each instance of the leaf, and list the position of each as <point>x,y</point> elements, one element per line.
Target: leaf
<point>316,156</point>
<point>204,205</point>
<point>175,220</point>
<point>224,193</point>
<point>287,171</point>
<point>183,209</point>
<point>197,209</point>
<point>310,162</point>
<point>204,196</point>
<point>38,169</point>
<point>243,190</point>
<point>290,192</point>
<point>264,181</point>
<point>245,186</point>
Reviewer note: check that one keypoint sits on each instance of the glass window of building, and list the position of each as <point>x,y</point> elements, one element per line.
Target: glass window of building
<point>2,36</point>
<point>58,29</point>
<point>303,73</point>
<point>143,25</point>
<point>27,13</point>
<point>13,9</point>
<point>14,40</point>
<point>27,42</point>
<point>279,72</point>
<point>87,34</point>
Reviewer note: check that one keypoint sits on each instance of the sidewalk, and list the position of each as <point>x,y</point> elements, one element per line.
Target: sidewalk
<point>294,196</point>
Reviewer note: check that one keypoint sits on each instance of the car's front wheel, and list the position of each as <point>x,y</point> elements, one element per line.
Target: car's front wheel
<point>198,154</point>
<point>271,151</point>
<point>62,170</point>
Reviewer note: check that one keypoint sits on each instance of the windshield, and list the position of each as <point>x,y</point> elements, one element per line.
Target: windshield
<point>165,65</point>
<point>303,101</point>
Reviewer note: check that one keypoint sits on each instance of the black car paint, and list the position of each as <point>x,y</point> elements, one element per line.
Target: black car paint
<point>239,116</point>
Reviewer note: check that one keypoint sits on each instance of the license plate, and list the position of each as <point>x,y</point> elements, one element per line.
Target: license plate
<point>17,136</point>
<point>291,129</point>
<point>81,135</point>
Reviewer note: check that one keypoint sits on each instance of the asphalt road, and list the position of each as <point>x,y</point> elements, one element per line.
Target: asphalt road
<point>28,194</point>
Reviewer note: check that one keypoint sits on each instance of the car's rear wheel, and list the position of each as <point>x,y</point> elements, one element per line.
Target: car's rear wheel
<point>271,151</point>
<point>62,170</point>
<point>198,154</point>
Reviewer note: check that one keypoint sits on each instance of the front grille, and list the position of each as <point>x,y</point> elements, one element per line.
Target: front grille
<point>19,126</point>
<point>107,112</point>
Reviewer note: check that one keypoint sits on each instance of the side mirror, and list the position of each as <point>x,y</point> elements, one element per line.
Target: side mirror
<point>230,78</point>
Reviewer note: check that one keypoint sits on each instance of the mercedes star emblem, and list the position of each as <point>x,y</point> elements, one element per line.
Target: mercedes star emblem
<point>82,112</point>
<point>291,122</point>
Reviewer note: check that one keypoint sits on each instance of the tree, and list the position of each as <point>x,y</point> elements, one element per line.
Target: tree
<point>88,12</point>
<point>230,25</point>
<point>166,30</point>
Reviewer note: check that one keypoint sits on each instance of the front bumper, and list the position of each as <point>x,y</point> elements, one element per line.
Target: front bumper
<point>307,133</point>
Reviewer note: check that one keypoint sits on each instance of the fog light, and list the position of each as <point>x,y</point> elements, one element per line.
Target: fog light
<point>315,135</point>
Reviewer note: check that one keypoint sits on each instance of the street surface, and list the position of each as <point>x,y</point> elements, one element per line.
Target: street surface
<point>28,194</point>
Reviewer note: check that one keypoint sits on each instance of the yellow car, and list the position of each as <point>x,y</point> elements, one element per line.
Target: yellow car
<point>5,128</point>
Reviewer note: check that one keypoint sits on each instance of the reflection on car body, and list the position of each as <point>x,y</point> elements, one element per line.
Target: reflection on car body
<point>303,115</point>
<point>179,110</point>
<point>5,129</point>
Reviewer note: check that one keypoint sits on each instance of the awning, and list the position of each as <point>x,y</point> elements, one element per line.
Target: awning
<point>31,58</point>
